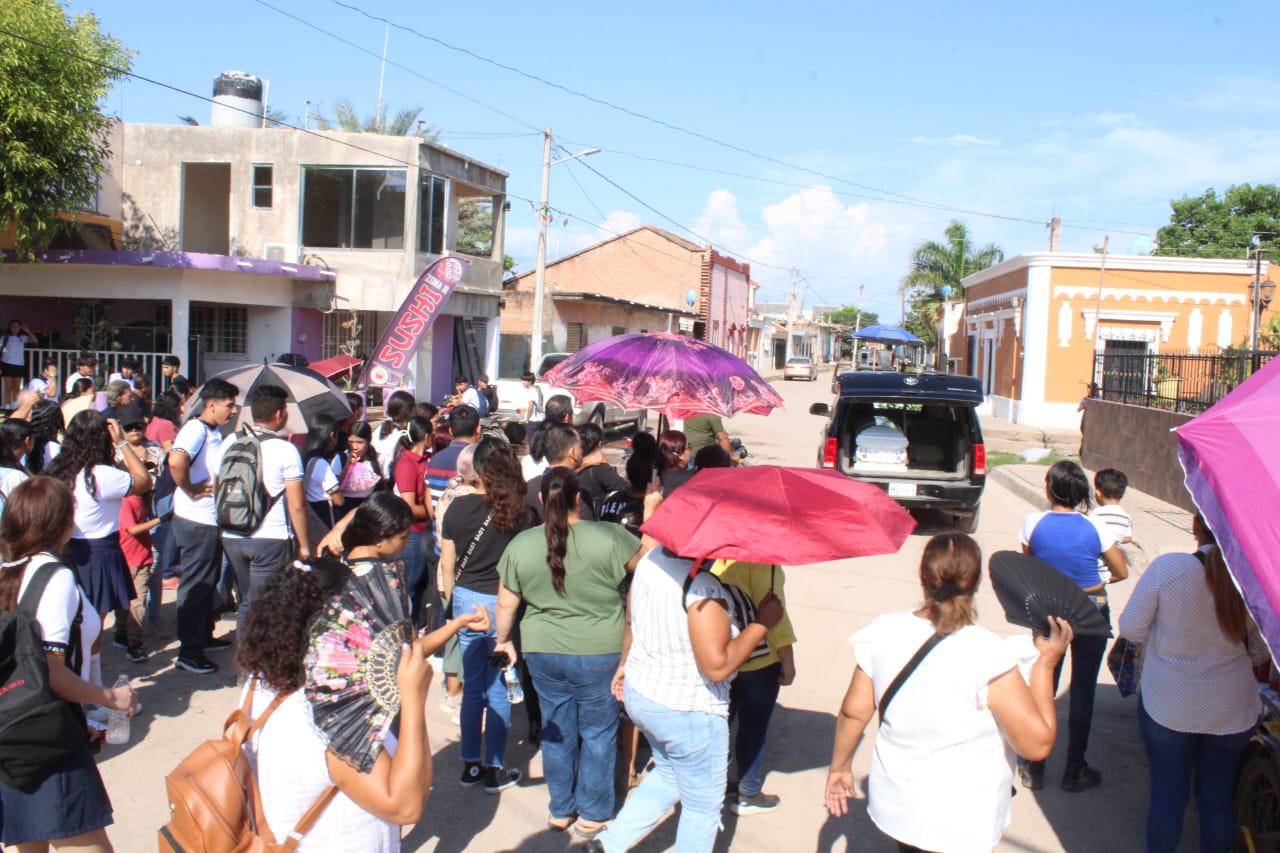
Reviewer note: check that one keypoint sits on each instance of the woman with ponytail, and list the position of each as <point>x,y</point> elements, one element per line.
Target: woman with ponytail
<point>387,437</point>
<point>1198,700</point>
<point>409,473</point>
<point>940,776</point>
<point>568,572</point>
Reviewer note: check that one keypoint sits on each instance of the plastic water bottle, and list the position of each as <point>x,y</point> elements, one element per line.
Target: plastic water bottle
<point>118,721</point>
<point>515,691</point>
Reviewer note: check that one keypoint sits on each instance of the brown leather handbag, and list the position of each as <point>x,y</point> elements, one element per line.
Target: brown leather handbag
<point>214,802</point>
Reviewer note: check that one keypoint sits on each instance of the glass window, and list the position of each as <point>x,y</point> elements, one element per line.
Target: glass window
<point>475,226</point>
<point>262,185</point>
<point>345,208</point>
<point>431,214</point>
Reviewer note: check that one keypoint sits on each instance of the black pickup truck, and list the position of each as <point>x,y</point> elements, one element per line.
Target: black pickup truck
<point>915,435</point>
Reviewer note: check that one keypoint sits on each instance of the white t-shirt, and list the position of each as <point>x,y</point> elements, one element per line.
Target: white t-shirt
<point>386,448</point>
<point>57,610</point>
<point>1120,525</point>
<point>72,378</point>
<point>10,479</point>
<point>119,377</point>
<point>13,348</point>
<point>203,446</point>
<point>51,451</point>
<point>660,665</point>
<point>288,757</point>
<point>38,384</point>
<point>531,469</point>
<point>471,397</point>
<point>281,463</point>
<point>99,516</point>
<point>321,479</point>
<point>523,397</point>
<point>941,774</point>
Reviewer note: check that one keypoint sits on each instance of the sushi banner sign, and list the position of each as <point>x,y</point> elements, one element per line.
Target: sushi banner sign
<point>395,349</point>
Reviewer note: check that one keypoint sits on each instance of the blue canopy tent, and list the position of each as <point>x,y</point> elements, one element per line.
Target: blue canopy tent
<point>886,335</point>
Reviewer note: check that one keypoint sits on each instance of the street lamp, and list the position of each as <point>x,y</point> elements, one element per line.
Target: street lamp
<point>540,278</point>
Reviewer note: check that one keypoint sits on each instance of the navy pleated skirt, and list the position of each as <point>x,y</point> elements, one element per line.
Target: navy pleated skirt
<point>103,572</point>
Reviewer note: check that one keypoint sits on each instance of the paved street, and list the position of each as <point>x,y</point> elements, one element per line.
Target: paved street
<point>827,602</point>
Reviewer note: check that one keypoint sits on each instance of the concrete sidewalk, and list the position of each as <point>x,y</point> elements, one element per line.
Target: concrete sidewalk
<point>1158,527</point>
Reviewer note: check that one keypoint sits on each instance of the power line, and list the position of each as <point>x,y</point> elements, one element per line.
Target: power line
<point>404,68</point>
<point>680,129</point>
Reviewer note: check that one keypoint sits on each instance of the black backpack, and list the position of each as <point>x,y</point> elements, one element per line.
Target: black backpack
<point>241,496</point>
<point>38,730</point>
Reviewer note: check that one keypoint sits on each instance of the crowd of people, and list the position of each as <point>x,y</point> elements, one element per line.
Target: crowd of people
<point>528,574</point>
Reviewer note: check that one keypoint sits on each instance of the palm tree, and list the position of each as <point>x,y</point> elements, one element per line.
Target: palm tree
<point>934,264</point>
<point>403,123</point>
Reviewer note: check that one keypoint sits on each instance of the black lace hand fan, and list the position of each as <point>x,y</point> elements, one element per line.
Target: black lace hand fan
<point>1030,591</point>
<point>353,652</point>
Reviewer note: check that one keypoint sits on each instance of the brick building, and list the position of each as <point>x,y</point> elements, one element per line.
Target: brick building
<point>645,280</point>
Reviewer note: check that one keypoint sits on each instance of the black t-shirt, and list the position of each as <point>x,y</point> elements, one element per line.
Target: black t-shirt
<point>461,523</point>
<point>598,482</point>
<point>533,500</point>
<point>674,478</point>
<point>623,508</point>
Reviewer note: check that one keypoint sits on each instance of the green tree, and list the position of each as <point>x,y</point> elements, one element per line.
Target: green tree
<point>53,133</point>
<point>1209,226</point>
<point>403,123</point>
<point>848,316</point>
<point>935,265</point>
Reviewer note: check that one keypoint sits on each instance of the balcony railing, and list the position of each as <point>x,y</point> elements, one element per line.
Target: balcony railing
<point>108,363</point>
<point>1179,382</point>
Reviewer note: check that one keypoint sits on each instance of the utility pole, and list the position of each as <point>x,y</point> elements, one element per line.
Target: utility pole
<point>792,313</point>
<point>1055,233</point>
<point>540,278</point>
<point>382,76</point>
<point>857,326</point>
<point>1255,303</point>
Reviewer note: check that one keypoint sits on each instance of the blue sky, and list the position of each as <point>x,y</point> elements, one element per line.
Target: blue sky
<point>1096,112</point>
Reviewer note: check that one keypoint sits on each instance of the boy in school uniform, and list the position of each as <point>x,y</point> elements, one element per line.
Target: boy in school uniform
<point>1109,486</point>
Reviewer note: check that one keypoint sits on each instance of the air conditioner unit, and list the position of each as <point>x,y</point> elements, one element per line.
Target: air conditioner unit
<point>280,252</point>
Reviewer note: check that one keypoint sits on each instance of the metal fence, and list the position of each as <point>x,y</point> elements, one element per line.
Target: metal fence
<point>108,362</point>
<point>1179,382</point>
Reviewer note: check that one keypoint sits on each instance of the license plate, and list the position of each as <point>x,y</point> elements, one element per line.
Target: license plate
<point>902,490</point>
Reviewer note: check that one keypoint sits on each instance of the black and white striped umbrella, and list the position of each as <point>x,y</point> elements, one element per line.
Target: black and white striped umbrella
<point>310,394</point>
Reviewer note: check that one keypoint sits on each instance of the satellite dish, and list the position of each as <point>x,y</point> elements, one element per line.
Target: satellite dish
<point>1141,245</point>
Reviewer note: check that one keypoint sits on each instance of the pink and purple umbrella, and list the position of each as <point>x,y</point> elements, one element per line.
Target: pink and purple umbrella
<point>679,376</point>
<point>1233,474</point>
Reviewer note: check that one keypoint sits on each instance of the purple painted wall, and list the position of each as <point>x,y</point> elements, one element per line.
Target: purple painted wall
<point>309,322</point>
<point>441,359</point>
<point>40,314</point>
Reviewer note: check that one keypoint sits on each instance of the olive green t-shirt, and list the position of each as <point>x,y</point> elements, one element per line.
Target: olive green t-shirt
<point>588,618</point>
<point>701,432</point>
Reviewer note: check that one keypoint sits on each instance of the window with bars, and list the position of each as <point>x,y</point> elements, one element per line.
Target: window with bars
<point>223,329</point>
<point>575,336</point>
<point>341,327</point>
<point>617,330</point>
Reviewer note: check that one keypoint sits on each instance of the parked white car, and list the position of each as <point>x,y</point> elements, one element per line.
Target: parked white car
<point>511,391</point>
<point>800,368</point>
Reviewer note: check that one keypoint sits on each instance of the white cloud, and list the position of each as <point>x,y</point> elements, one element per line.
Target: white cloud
<point>619,222</point>
<point>953,139</point>
<point>1248,94</point>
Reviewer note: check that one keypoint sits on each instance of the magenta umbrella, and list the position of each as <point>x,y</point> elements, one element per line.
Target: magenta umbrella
<point>1233,474</point>
<point>679,376</point>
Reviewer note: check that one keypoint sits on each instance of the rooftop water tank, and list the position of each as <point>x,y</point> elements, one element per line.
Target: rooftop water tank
<point>237,100</point>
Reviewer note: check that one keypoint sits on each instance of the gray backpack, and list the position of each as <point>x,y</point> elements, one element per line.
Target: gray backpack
<point>241,496</point>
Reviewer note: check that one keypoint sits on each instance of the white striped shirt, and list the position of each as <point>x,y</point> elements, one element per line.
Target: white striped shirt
<point>660,665</point>
<point>1194,679</point>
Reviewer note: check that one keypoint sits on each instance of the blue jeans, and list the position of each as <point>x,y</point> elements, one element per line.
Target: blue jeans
<point>753,696</point>
<point>579,731</point>
<point>690,763</point>
<point>415,564</point>
<point>484,696</point>
<point>1086,662</point>
<point>1173,759</point>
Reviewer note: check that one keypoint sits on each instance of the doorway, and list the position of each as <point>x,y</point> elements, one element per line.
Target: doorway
<point>988,365</point>
<point>779,354</point>
<point>206,208</point>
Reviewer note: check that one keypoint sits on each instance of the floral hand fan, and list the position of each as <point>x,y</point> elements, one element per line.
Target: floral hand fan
<point>353,653</point>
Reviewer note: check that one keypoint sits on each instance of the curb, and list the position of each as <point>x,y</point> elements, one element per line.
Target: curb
<point>1029,492</point>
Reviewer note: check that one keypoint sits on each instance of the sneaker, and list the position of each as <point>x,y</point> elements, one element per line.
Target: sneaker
<point>754,804</point>
<point>217,644</point>
<point>1081,778</point>
<point>200,665</point>
<point>1031,774</point>
<point>120,643</point>
<point>472,774</point>
<point>135,654</point>
<point>497,779</point>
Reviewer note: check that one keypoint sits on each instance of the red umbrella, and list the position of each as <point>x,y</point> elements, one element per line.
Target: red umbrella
<point>771,514</point>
